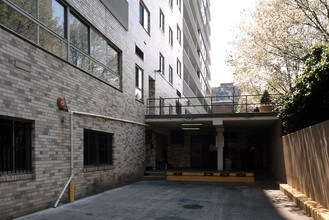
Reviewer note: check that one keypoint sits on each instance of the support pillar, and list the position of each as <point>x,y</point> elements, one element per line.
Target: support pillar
<point>220,147</point>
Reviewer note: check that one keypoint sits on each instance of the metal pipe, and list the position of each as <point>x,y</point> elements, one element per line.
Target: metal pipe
<point>65,187</point>
<point>110,118</point>
<point>71,142</point>
<point>71,155</point>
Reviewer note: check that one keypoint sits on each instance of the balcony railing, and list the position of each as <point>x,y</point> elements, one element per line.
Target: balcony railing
<point>210,105</point>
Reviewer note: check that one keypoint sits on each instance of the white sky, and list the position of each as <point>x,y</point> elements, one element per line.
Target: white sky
<point>225,16</point>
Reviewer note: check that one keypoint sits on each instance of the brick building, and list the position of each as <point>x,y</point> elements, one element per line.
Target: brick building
<point>112,61</point>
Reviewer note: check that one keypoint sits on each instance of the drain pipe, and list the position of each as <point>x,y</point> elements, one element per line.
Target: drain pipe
<point>62,106</point>
<point>70,181</point>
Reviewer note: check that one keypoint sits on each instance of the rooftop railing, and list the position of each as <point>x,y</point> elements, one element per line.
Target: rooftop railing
<point>211,105</point>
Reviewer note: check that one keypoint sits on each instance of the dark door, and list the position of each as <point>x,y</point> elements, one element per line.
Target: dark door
<point>201,155</point>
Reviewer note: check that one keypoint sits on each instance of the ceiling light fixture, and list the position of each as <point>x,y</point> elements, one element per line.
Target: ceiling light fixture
<point>192,124</point>
<point>191,129</point>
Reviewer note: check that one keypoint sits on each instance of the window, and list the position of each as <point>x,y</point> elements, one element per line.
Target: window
<point>144,17</point>
<point>179,4</point>
<point>162,106</point>
<point>178,108</point>
<point>47,23</point>
<point>52,14</point>
<point>15,146</point>
<point>78,33</point>
<point>179,35</point>
<point>28,6</point>
<point>170,74</point>
<point>97,148</point>
<point>138,83</point>
<point>170,37</point>
<point>18,23</point>
<point>139,52</point>
<point>162,21</point>
<point>179,68</point>
<point>171,109</point>
<point>162,64</point>
<point>171,3</point>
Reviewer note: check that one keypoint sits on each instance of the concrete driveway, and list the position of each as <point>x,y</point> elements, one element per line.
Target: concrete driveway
<point>178,201</point>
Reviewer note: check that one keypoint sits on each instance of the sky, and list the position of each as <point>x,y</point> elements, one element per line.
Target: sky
<point>225,17</point>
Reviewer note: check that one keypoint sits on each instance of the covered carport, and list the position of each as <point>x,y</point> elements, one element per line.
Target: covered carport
<point>216,142</point>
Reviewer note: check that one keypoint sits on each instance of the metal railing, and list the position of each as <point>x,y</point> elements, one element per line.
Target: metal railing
<point>210,105</point>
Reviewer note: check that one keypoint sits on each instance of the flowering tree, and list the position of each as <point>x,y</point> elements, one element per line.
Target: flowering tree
<point>268,53</point>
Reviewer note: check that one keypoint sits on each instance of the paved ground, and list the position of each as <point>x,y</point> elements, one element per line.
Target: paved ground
<point>178,201</point>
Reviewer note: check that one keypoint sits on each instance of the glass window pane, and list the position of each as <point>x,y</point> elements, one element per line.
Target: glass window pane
<point>97,70</point>
<point>6,143</point>
<point>29,6</point>
<point>104,149</point>
<point>22,146</point>
<point>112,59</point>
<point>98,47</point>
<point>89,148</point>
<point>105,75</point>
<point>78,33</point>
<point>146,20</point>
<point>53,43</point>
<point>18,23</point>
<point>79,59</point>
<point>52,15</point>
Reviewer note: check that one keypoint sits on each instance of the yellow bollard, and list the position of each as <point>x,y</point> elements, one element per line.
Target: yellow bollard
<point>71,191</point>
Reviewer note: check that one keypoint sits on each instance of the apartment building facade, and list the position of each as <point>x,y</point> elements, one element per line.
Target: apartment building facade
<point>103,59</point>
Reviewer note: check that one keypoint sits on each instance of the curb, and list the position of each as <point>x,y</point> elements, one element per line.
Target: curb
<point>312,208</point>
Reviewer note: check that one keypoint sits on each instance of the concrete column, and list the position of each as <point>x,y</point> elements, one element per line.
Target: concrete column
<point>220,147</point>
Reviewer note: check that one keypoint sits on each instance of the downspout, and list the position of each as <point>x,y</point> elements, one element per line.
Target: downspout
<point>70,180</point>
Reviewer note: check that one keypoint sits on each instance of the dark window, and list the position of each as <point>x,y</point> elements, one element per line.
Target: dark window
<point>170,74</point>
<point>170,37</point>
<point>179,68</point>
<point>162,106</point>
<point>179,35</point>
<point>171,3</point>
<point>179,4</point>
<point>178,108</point>
<point>162,21</point>
<point>15,147</point>
<point>97,148</point>
<point>161,64</point>
<point>138,83</point>
<point>144,17</point>
<point>139,52</point>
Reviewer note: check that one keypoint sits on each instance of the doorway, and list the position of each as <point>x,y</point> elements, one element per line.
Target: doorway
<point>202,156</point>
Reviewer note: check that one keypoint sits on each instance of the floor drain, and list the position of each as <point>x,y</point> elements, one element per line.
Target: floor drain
<point>194,206</point>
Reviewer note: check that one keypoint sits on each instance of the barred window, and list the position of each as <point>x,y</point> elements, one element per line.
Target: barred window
<point>97,148</point>
<point>15,147</point>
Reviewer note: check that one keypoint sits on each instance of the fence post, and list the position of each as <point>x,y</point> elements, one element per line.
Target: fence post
<point>246,104</point>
